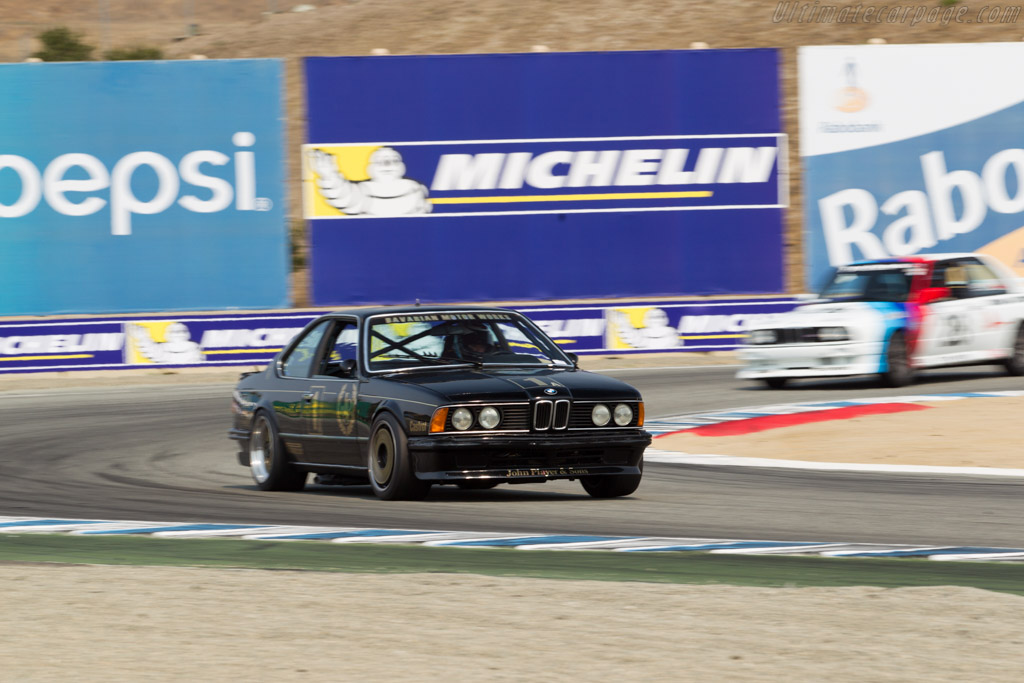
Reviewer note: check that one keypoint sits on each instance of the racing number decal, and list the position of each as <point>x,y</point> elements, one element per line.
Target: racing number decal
<point>956,331</point>
<point>324,406</point>
<point>315,410</point>
<point>345,411</point>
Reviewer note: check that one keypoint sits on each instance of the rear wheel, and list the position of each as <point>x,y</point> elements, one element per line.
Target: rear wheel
<point>898,372</point>
<point>1014,363</point>
<point>776,382</point>
<point>612,485</point>
<point>390,465</point>
<point>268,462</point>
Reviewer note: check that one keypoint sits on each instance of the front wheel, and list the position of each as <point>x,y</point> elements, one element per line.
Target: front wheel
<point>1014,363</point>
<point>268,462</point>
<point>390,465</point>
<point>898,372</point>
<point>775,382</point>
<point>612,485</point>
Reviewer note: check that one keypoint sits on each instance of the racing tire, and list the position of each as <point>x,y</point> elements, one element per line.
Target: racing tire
<point>268,462</point>
<point>898,371</point>
<point>775,382</point>
<point>390,465</point>
<point>1014,363</point>
<point>612,485</point>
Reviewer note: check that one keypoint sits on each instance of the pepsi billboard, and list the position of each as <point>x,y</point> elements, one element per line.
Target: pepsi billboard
<point>900,160</point>
<point>503,177</point>
<point>141,186</point>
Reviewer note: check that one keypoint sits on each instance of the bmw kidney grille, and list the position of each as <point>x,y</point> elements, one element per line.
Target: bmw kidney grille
<point>551,415</point>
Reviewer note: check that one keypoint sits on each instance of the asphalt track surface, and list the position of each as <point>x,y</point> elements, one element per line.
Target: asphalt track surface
<point>160,453</point>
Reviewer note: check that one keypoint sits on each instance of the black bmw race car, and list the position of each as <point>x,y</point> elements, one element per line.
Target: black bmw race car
<point>404,398</point>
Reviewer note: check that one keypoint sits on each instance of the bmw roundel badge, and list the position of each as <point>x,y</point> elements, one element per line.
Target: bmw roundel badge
<point>550,392</point>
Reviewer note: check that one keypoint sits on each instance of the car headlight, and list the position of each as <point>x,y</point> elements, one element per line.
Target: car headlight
<point>762,337</point>
<point>489,418</point>
<point>833,334</point>
<point>462,419</point>
<point>600,415</point>
<point>623,415</point>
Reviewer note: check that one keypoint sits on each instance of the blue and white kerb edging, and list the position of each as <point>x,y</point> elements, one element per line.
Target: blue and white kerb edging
<point>468,539</point>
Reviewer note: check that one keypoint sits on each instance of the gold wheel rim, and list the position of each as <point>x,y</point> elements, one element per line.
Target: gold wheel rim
<point>382,456</point>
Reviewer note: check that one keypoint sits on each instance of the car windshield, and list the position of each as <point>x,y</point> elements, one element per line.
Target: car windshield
<point>877,282</point>
<point>492,338</point>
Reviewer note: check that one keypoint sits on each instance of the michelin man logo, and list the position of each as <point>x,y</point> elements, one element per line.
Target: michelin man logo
<point>146,344</point>
<point>387,192</point>
<point>652,332</point>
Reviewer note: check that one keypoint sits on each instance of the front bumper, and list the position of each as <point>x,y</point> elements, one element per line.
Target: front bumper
<point>840,359</point>
<point>236,434</point>
<point>529,457</point>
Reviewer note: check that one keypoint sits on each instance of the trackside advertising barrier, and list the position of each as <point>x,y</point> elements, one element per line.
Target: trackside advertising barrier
<point>254,338</point>
<point>510,177</point>
<point>911,149</point>
<point>140,186</point>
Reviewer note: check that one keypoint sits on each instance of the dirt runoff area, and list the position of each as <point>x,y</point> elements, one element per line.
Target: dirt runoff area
<point>948,433</point>
<point>177,624</point>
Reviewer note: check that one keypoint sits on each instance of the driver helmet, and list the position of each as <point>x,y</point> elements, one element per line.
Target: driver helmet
<point>478,342</point>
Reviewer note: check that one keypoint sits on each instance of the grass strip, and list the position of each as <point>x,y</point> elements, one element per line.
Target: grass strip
<point>652,567</point>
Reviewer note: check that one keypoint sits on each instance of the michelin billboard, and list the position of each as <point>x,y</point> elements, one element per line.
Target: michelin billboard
<point>252,339</point>
<point>141,186</point>
<point>505,177</point>
<point>911,149</point>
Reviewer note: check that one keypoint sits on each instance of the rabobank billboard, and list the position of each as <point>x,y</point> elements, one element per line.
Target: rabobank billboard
<point>514,177</point>
<point>911,149</point>
<point>141,186</point>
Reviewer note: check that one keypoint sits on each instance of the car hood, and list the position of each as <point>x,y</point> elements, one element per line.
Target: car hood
<point>515,384</point>
<point>844,313</point>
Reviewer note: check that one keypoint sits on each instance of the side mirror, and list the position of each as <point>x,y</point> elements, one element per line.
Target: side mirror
<point>574,358</point>
<point>932,294</point>
<point>342,368</point>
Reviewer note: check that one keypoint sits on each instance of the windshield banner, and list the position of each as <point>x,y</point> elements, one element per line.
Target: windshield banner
<point>900,160</point>
<point>254,339</point>
<point>511,178</point>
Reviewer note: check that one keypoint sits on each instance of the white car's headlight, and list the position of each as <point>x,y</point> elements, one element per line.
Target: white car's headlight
<point>462,419</point>
<point>762,337</point>
<point>489,418</point>
<point>833,334</point>
<point>623,415</point>
<point>600,415</point>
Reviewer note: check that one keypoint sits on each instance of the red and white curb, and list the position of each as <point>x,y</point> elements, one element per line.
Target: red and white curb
<point>824,409</point>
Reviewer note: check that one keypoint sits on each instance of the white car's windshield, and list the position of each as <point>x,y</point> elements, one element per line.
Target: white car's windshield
<point>412,340</point>
<point>863,283</point>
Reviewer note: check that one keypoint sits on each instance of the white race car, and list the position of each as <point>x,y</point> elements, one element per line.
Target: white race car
<point>892,317</point>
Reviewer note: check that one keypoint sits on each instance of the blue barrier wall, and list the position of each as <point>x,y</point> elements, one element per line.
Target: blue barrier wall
<point>491,177</point>
<point>254,338</point>
<point>140,186</point>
